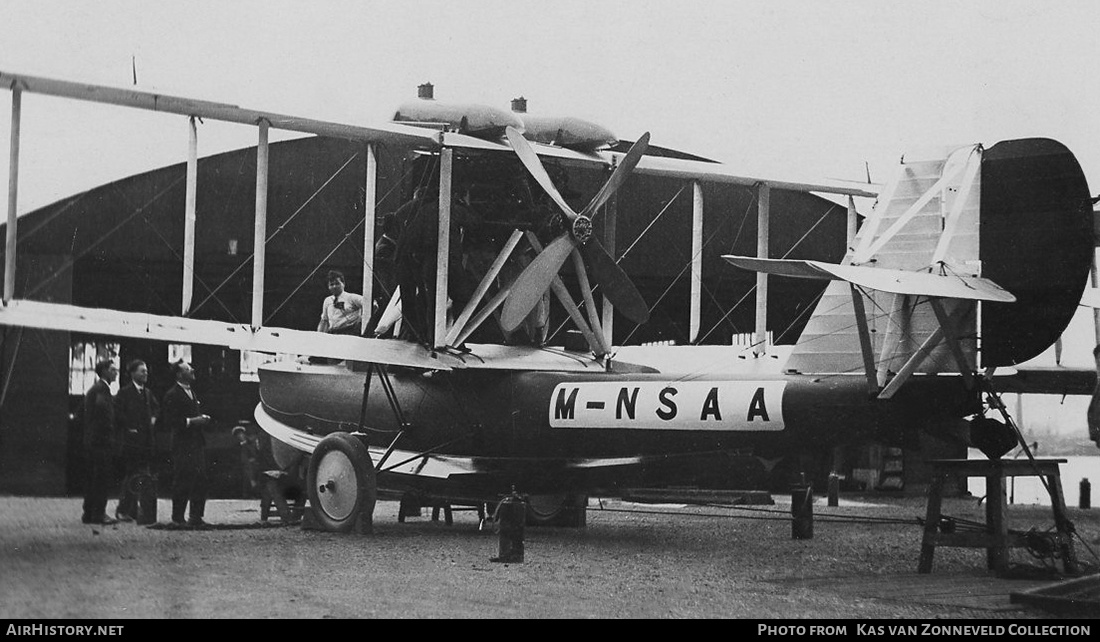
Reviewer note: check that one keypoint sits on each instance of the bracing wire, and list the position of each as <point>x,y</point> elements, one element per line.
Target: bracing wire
<point>176,254</point>
<point>68,264</point>
<point>687,265</point>
<point>279,229</point>
<point>791,249</point>
<point>321,263</point>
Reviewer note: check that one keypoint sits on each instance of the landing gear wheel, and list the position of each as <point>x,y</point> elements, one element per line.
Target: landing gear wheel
<point>563,510</point>
<point>342,485</point>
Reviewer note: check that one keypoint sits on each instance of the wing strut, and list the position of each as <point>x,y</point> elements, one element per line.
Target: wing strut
<point>189,216</point>
<point>589,302</point>
<point>459,329</point>
<point>763,207</point>
<point>865,345</point>
<point>13,184</point>
<point>610,240</point>
<point>443,247</point>
<point>696,262</point>
<point>947,330</point>
<point>387,387</point>
<point>259,242</point>
<point>566,301</point>
<point>880,383</point>
<point>369,210</point>
<point>947,323</point>
<point>897,330</point>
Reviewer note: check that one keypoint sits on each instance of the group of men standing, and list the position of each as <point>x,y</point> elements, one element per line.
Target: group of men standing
<point>119,433</point>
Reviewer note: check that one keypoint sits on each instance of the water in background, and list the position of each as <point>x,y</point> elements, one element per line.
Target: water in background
<point>1030,490</point>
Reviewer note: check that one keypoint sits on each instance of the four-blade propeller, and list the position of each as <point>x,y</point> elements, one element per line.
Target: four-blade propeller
<point>536,279</point>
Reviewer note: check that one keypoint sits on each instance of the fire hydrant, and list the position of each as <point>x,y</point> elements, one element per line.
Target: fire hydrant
<point>512,516</point>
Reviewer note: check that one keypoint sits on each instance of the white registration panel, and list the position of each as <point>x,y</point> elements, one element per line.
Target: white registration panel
<point>671,405</point>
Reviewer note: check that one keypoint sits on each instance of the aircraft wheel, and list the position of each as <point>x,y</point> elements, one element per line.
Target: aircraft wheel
<point>564,510</point>
<point>342,485</point>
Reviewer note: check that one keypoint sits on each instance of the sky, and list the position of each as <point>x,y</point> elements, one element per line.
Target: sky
<point>801,90</point>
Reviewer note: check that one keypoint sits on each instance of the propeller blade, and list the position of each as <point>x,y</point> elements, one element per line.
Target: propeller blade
<point>534,281</point>
<point>531,161</point>
<point>617,286</point>
<point>622,171</point>
<point>601,347</point>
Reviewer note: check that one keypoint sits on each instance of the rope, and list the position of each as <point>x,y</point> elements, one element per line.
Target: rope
<point>995,397</point>
<point>764,514</point>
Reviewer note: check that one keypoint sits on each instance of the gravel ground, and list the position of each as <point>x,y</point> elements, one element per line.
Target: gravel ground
<point>738,564</point>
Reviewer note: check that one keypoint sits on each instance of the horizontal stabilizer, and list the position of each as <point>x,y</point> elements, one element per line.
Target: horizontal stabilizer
<point>884,279</point>
<point>1091,298</point>
<point>1047,380</point>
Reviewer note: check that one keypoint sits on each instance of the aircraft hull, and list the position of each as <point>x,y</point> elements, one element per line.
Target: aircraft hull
<point>547,429</point>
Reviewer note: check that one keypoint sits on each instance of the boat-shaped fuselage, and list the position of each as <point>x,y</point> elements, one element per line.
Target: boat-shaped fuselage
<point>504,414</point>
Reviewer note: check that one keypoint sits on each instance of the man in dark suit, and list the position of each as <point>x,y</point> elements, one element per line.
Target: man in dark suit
<point>99,431</point>
<point>136,410</point>
<point>183,416</point>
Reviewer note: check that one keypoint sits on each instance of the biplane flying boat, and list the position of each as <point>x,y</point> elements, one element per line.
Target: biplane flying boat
<point>973,258</point>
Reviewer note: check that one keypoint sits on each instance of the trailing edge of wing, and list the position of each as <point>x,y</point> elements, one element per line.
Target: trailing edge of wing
<point>139,325</point>
<point>884,279</point>
<point>527,358</point>
<point>63,317</point>
<point>666,167</point>
<point>719,173</point>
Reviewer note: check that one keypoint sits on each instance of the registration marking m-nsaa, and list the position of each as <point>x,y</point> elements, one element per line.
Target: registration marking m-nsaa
<point>669,405</point>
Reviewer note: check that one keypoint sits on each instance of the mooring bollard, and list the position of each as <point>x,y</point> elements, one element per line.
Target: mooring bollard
<point>512,515</point>
<point>834,489</point>
<point>802,510</point>
<point>1085,500</point>
<point>145,486</point>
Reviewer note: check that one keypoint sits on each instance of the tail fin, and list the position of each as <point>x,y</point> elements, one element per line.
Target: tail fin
<point>925,221</point>
<point>1015,217</point>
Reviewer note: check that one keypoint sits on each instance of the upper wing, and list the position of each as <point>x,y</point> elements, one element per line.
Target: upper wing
<point>411,136</point>
<point>414,137</point>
